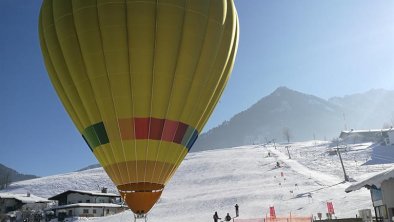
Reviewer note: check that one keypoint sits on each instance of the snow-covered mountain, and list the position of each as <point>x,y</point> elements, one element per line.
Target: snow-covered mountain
<point>371,109</point>
<point>306,116</point>
<point>216,180</point>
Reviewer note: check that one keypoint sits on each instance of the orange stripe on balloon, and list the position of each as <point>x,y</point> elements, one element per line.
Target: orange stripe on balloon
<point>126,128</point>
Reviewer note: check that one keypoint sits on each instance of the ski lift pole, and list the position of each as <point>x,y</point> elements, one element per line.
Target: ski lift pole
<point>288,152</point>
<point>343,167</point>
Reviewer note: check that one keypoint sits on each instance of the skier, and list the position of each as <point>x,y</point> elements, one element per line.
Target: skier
<point>227,218</point>
<point>216,217</point>
<point>277,164</point>
<point>236,210</point>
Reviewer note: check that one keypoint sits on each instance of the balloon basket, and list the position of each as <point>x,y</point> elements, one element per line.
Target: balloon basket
<point>140,217</point>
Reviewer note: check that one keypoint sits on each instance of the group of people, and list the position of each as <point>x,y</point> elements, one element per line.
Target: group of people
<point>227,218</point>
<point>216,217</point>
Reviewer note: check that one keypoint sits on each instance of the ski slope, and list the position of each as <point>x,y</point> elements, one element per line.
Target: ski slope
<point>216,180</point>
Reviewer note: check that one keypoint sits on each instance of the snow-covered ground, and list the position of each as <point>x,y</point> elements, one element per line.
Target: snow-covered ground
<point>216,180</point>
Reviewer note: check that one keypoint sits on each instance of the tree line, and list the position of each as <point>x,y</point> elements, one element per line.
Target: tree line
<point>5,180</point>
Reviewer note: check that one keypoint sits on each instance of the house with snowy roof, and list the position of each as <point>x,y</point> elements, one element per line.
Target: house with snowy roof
<point>79,203</point>
<point>384,136</point>
<point>357,136</point>
<point>13,202</point>
<point>381,187</point>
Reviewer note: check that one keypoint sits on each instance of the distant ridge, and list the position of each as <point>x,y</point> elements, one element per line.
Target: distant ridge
<point>93,166</point>
<point>306,116</point>
<point>8,175</point>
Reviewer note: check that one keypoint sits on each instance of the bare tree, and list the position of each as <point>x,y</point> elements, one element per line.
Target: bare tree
<point>286,134</point>
<point>2,183</point>
<point>5,181</point>
<point>386,126</point>
<point>392,119</point>
<point>335,141</point>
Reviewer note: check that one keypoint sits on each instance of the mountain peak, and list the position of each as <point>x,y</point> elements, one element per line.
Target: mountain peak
<point>282,89</point>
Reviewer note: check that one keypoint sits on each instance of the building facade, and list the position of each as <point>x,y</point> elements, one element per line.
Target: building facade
<point>381,187</point>
<point>77,203</point>
<point>14,202</point>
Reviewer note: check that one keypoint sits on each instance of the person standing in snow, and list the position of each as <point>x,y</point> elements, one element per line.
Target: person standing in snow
<point>236,210</point>
<point>227,218</point>
<point>216,217</point>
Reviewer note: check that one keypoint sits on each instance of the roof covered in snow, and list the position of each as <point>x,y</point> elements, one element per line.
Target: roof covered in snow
<point>107,205</point>
<point>24,198</point>
<point>373,181</point>
<point>91,193</point>
<point>367,131</point>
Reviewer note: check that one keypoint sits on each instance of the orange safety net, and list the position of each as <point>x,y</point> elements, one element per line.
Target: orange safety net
<point>289,219</point>
<point>277,219</point>
<point>249,220</point>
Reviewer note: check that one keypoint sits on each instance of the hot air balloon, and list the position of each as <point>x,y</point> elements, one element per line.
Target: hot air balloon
<point>139,79</point>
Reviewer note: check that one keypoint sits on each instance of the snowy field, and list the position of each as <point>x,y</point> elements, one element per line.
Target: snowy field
<point>216,180</point>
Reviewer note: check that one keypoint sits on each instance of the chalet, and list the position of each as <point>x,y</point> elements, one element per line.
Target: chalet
<point>13,202</point>
<point>78,203</point>
<point>381,187</point>
<point>390,136</point>
<point>384,136</point>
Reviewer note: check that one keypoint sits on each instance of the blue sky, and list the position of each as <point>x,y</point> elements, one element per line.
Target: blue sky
<point>325,48</point>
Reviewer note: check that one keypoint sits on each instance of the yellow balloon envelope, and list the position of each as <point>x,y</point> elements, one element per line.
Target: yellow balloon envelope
<point>139,78</point>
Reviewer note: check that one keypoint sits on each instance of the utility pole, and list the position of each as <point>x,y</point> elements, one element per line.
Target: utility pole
<point>287,147</point>
<point>314,139</point>
<point>343,167</point>
<point>344,120</point>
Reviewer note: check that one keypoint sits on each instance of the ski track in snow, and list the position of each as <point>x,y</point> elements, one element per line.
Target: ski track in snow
<point>321,178</point>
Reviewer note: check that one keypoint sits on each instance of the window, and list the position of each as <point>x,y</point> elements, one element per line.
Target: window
<point>376,194</point>
<point>85,211</point>
<point>94,211</point>
<point>80,201</point>
<point>87,201</point>
<point>381,212</point>
<point>70,212</point>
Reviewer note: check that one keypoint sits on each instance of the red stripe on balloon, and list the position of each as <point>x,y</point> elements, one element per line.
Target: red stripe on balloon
<point>152,128</point>
<point>156,128</point>
<point>169,130</point>
<point>141,128</point>
<point>180,132</point>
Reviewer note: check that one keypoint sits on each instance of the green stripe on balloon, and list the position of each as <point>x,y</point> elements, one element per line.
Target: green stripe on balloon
<point>95,135</point>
